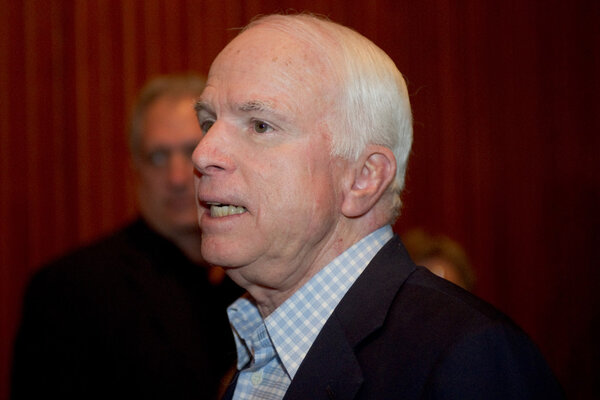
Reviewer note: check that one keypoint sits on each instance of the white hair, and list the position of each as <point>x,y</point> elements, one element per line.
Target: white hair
<point>372,104</point>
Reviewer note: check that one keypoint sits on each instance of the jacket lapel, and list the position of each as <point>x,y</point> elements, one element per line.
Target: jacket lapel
<point>331,370</point>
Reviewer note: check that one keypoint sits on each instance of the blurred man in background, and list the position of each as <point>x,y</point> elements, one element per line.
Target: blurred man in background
<point>137,314</point>
<point>441,255</point>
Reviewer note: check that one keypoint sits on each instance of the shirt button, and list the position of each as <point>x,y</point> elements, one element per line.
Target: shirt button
<point>256,378</point>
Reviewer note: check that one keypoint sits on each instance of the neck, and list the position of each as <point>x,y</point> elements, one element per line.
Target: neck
<point>270,294</point>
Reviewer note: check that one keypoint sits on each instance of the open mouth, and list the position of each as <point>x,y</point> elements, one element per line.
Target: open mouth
<point>224,210</point>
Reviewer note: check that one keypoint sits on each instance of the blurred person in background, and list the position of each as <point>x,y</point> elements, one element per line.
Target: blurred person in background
<point>441,255</point>
<point>137,314</point>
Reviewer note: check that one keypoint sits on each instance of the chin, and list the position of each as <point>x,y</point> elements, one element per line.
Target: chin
<point>218,260</point>
<point>221,255</point>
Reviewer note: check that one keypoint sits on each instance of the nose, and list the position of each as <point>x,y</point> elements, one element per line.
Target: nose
<point>212,156</point>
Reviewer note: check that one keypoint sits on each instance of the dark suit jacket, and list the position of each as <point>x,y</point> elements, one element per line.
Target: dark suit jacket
<point>403,333</point>
<point>127,317</point>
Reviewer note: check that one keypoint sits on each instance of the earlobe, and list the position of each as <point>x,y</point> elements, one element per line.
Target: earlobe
<point>374,171</point>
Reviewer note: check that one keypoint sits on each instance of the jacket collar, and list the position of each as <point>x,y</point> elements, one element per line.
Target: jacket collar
<point>330,370</point>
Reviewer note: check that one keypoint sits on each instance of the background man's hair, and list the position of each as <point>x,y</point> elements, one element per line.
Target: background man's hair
<point>165,86</point>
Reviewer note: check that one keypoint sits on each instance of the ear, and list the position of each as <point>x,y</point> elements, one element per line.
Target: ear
<point>372,175</point>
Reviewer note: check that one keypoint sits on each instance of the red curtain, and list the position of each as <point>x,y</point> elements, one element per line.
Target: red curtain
<point>505,160</point>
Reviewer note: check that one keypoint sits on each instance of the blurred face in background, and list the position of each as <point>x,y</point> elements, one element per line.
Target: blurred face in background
<point>162,168</point>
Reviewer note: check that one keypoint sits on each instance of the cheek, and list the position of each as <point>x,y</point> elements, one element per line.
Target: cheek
<point>151,181</point>
<point>305,188</point>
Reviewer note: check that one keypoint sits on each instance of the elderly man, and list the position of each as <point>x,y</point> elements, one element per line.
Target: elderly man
<point>137,314</point>
<point>307,131</point>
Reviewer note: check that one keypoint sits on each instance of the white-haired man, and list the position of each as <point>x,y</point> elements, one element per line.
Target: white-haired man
<point>307,131</point>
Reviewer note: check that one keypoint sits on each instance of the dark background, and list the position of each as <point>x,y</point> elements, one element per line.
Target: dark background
<point>505,160</point>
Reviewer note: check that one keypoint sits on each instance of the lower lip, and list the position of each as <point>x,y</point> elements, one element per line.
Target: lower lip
<point>206,220</point>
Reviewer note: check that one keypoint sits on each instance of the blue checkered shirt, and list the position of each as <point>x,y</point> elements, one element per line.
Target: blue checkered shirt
<point>271,350</point>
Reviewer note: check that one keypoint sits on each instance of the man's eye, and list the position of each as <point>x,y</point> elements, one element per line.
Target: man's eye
<point>206,125</point>
<point>158,158</point>
<point>261,127</point>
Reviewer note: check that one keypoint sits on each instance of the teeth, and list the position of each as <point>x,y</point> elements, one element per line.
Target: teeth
<point>225,210</point>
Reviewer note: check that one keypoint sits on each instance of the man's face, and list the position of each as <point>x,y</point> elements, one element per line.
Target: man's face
<point>266,153</point>
<point>163,169</point>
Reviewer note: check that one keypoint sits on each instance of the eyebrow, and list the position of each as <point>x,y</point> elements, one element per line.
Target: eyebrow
<point>245,107</point>
<point>256,105</point>
<point>202,106</point>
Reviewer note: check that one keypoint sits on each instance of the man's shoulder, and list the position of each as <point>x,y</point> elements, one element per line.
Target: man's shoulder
<point>446,317</point>
<point>110,245</point>
<point>416,291</point>
<point>447,334</point>
<point>94,261</point>
<point>462,339</point>
<point>430,292</point>
<point>412,306</point>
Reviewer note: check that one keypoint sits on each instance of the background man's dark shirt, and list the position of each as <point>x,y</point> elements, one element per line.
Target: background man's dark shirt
<point>127,316</point>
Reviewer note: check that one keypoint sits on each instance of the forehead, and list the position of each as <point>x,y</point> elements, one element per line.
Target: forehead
<point>171,120</point>
<point>267,64</point>
<point>267,47</point>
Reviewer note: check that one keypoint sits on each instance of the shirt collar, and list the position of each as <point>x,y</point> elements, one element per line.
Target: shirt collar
<point>295,324</point>
<point>246,322</point>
